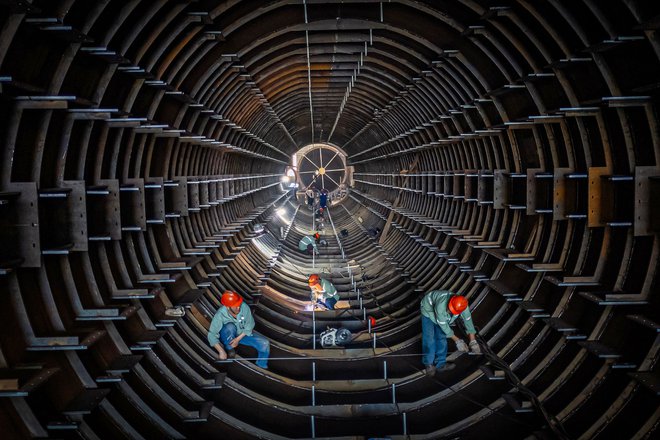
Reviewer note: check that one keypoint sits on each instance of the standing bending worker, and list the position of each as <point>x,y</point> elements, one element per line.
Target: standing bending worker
<point>309,243</point>
<point>323,292</point>
<point>440,309</point>
<point>233,325</point>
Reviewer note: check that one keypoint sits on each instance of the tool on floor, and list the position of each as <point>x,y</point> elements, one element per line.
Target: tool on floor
<point>334,337</point>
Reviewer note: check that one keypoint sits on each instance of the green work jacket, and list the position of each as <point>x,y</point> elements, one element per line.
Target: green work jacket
<point>244,322</point>
<point>434,307</point>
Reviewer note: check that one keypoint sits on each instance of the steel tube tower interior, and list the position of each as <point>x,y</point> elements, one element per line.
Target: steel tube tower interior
<point>505,150</point>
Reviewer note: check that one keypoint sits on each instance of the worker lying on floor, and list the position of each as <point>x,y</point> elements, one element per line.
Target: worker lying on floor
<point>233,325</point>
<point>323,292</point>
<point>309,243</point>
<point>441,308</point>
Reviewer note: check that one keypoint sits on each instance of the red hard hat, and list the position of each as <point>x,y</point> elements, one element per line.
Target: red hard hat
<point>313,279</point>
<point>372,320</point>
<point>457,304</point>
<point>317,235</point>
<point>231,299</point>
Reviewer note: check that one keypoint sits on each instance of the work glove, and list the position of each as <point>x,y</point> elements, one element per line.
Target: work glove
<point>461,346</point>
<point>474,347</point>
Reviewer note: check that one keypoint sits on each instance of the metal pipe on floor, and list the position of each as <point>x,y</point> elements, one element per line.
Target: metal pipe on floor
<point>304,358</point>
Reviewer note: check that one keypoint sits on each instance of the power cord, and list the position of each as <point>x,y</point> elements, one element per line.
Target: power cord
<point>415,367</point>
<point>552,422</point>
<point>513,379</point>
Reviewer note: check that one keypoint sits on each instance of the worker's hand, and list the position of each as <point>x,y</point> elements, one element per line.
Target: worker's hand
<point>222,354</point>
<point>461,346</point>
<point>234,342</point>
<point>474,347</point>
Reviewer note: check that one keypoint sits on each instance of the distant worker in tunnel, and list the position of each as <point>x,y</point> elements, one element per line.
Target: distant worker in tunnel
<point>440,309</point>
<point>311,195</point>
<point>233,325</point>
<point>309,243</point>
<point>319,215</point>
<point>323,198</point>
<point>323,292</point>
<point>374,232</point>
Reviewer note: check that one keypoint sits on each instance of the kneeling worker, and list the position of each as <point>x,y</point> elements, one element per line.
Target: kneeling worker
<point>309,243</point>
<point>323,292</point>
<point>440,308</point>
<point>233,325</point>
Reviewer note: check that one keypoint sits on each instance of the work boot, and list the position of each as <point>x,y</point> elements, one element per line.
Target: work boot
<point>430,370</point>
<point>446,367</point>
<point>231,354</point>
<point>175,312</point>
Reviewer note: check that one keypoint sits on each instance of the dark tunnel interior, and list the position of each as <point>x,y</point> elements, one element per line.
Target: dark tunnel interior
<point>506,150</point>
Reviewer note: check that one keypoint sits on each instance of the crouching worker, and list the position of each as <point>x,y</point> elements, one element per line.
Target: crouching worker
<point>232,326</point>
<point>309,243</point>
<point>323,292</point>
<point>440,309</point>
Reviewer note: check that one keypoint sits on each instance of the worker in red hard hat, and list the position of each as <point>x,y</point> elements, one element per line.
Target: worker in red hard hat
<point>309,243</point>
<point>319,215</point>
<point>323,292</point>
<point>233,325</point>
<point>441,308</point>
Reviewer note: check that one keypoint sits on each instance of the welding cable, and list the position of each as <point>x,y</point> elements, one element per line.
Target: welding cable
<point>415,367</point>
<point>459,393</point>
<point>554,424</point>
<point>551,421</point>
